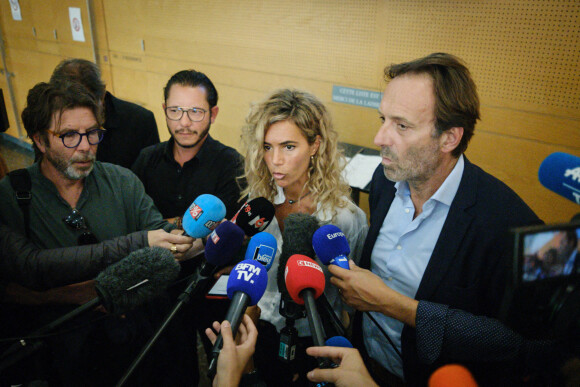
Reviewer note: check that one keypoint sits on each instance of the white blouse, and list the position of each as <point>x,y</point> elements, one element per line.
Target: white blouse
<point>353,223</point>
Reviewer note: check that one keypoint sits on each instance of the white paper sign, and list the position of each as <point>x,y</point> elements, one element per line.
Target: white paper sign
<point>76,24</point>
<point>15,8</point>
<point>359,170</point>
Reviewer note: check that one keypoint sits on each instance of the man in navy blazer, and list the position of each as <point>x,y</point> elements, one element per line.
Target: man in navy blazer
<point>439,243</point>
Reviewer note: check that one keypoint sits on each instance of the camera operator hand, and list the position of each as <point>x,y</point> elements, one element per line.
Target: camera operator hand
<point>350,372</point>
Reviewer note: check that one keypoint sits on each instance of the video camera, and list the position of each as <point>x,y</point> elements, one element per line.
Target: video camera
<point>543,294</point>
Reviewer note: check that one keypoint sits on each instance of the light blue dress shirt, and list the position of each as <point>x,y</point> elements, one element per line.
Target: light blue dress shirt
<point>400,256</point>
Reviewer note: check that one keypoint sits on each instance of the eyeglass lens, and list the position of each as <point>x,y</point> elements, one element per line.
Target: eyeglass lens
<point>175,113</point>
<point>73,139</point>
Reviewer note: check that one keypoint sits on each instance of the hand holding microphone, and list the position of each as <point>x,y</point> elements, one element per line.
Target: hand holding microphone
<point>246,285</point>
<point>351,370</point>
<point>235,355</point>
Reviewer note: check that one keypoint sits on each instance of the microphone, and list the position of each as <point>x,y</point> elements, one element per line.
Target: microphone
<point>246,285</point>
<point>452,375</point>
<point>338,341</point>
<point>331,246</point>
<point>560,173</point>
<point>221,246</point>
<point>262,248</point>
<point>305,282</point>
<point>254,216</point>
<point>136,279</point>
<point>142,275</point>
<point>296,239</point>
<point>203,216</point>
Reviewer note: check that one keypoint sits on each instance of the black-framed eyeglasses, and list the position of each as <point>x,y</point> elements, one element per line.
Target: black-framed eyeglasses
<point>77,221</point>
<point>73,139</point>
<point>195,114</point>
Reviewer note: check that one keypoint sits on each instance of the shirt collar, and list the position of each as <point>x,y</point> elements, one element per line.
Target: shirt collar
<point>446,193</point>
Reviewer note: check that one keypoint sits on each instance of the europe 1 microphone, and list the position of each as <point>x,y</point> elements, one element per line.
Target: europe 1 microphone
<point>246,285</point>
<point>331,246</point>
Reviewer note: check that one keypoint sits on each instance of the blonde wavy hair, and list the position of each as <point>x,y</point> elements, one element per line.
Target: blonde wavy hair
<point>325,180</point>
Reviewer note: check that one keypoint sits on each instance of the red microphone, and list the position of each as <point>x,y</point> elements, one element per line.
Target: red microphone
<point>305,282</point>
<point>452,375</point>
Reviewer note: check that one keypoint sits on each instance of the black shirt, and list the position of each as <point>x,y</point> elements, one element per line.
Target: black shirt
<point>173,188</point>
<point>130,128</point>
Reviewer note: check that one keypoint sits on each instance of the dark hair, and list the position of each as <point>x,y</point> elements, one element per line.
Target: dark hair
<point>46,99</point>
<point>83,71</point>
<point>194,79</point>
<point>456,100</point>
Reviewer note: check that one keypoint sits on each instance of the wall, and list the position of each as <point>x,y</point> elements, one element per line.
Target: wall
<point>523,55</point>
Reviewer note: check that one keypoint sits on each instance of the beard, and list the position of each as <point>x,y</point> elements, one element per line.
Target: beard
<point>67,167</point>
<point>417,165</point>
<point>201,136</point>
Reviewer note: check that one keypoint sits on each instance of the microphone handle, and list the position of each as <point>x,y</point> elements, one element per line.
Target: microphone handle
<point>234,315</point>
<point>199,282</point>
<point>314,321</point>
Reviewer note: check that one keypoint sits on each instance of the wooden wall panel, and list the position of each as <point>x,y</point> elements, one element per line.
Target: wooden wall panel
<point>523,55</point>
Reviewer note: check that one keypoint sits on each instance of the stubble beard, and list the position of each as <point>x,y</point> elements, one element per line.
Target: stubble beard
<point>200,138</point>
<point>66,167</point>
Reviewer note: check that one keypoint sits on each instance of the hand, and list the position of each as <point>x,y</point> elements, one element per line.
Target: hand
<point>225,270</point>
<point>351,370</point>
<point>366,291</point>
<point>233,356</point>
<point>161,238</point>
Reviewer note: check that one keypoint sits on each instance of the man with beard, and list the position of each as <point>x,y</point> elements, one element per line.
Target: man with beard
<point>439,240</point>
<point>75,200</point>
<point>191,163</point>
<point>130,127</point>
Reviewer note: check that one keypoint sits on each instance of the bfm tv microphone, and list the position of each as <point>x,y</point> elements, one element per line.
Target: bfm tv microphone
<point>305,282</point>
<point>203,216</point>
<point>136,279</point>
<point>331,246</point>
<point>560,172</point>
<point>262,248</point>
<point>452,375</point>
<point>246,285</point>
<point>254,216</point>
<point>221,246</point>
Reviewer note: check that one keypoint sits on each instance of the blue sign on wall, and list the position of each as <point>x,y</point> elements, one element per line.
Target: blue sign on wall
<point>358,97</point>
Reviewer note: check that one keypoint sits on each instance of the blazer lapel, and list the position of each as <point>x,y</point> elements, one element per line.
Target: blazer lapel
<point>454,229</point>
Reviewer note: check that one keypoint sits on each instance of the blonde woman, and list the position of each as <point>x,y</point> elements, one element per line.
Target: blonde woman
<point>292,159</point>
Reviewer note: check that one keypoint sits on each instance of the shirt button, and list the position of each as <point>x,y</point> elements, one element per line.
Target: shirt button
<point>399,247</point>
<point>178,170</point>
<point>179,197</point>
<point>390,278</point>
<point>407,210</point>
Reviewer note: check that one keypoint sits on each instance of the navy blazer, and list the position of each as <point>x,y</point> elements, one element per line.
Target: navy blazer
<point>467,269</point>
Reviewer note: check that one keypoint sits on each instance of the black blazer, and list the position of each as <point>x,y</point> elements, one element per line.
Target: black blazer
<point>467,269</point>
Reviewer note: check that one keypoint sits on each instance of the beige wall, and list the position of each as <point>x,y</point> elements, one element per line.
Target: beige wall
<point>524,57</point>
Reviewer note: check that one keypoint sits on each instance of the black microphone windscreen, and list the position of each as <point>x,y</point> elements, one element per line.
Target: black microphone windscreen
<point>136,279</point>
<point>255,215</point>
<point>296,239</point>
